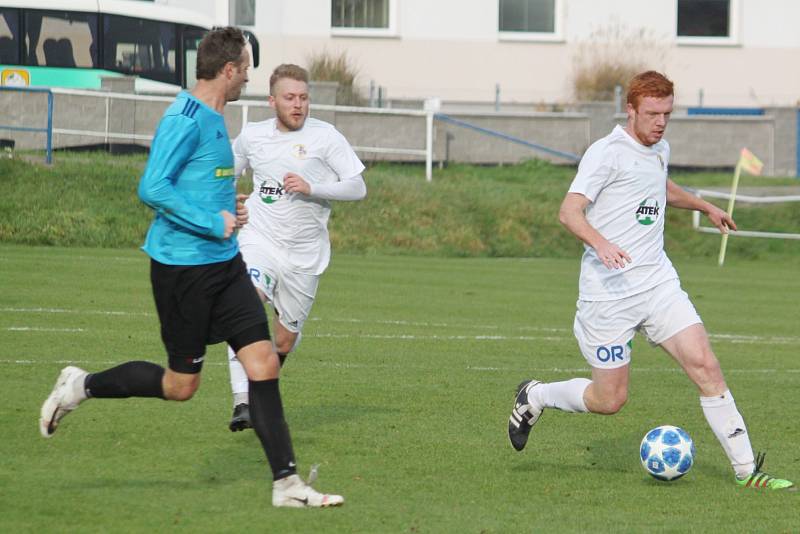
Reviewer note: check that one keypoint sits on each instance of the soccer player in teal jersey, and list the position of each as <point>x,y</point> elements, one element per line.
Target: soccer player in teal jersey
<point>201,287</point>
<point>189,182</point>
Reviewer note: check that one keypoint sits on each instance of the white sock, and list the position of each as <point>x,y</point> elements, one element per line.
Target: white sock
<point>728,425</point>
<point>239,384</point>
<point>566,396</point>
<point>296,342</point>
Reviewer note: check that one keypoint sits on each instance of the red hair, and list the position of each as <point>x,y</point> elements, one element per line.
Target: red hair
<point>650,83</point>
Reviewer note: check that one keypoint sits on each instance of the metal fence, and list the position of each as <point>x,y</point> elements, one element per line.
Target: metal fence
<point>47,130</point>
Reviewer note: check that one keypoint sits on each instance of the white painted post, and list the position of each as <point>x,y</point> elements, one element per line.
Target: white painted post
<point>432,105</point>
<point>108,113</point>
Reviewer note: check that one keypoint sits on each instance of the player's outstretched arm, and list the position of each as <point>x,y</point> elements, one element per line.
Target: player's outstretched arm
<point>572,216</point>
<point>680,198</point>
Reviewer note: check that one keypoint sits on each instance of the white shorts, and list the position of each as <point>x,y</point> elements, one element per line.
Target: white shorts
<point>291,294</point>
<point>605,329</point>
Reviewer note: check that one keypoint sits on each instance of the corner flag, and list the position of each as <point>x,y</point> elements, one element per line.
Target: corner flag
<point>750,163</point>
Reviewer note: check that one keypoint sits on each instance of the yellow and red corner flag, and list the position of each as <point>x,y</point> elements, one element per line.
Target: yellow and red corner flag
<point>750,163</point>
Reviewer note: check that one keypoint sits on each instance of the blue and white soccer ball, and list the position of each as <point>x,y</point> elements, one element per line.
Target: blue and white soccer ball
<point>667,452</point>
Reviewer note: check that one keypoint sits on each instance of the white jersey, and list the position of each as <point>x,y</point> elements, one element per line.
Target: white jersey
<point>626,184</point>
<point>293,223</point>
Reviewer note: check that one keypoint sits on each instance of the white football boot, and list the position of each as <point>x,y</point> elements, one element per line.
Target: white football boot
<point>293,492</point>
<point>67,394</point>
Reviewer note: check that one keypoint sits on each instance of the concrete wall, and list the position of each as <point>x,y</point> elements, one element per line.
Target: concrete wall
<point>696,141</point>
<point>565,132</point>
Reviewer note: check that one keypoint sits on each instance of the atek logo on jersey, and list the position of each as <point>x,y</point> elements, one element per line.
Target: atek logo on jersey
<point>647,212</point>
<point>270,191</point>
<point>299,151</point>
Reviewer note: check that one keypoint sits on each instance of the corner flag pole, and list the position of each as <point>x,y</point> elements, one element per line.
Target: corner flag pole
<point>747,162</point>
<point>734,186</point>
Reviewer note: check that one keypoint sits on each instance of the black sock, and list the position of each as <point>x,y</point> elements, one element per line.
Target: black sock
<point>266,416</point>
<point>131,379</point>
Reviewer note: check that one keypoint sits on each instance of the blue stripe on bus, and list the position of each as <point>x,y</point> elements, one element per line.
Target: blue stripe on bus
<point>726,111</point>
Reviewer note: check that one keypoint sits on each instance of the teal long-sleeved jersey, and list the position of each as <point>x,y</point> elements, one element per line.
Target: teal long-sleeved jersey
<point>188,180</point>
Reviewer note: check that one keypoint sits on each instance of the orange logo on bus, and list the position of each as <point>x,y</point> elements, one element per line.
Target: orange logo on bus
<point>15,78</point>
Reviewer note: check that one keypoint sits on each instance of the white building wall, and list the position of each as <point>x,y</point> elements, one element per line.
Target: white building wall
<point>452,49</point>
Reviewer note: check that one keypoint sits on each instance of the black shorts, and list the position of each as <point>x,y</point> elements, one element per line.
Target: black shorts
<point>200,305</point>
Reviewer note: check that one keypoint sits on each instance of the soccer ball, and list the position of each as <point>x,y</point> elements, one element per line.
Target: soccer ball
<point>667,452</point>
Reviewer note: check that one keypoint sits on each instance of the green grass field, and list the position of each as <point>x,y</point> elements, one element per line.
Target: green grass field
<point>401,390</point>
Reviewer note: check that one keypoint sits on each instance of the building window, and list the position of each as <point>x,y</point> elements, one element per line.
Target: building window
<point>243,12</point>
<point>530,19</point>
<point>363,17</point>
<point>707,21</point>
<point>527,16</point>
<point>360,14</point>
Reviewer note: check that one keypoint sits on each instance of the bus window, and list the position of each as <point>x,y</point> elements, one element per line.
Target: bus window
<point>142,47</point>
<point>9,36</point>
<point>61,39</point>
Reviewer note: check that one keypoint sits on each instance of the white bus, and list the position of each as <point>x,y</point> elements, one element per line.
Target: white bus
<point>73,43</point>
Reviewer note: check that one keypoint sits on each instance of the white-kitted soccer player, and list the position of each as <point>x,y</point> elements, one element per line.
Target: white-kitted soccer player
<point>616,206</point>
<point>299,165</point>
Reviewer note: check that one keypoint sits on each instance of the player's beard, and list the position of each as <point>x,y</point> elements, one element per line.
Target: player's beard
<point>235,94</point>
<point>290,122</point>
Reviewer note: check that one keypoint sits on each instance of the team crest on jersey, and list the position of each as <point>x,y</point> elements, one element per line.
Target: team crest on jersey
<point>661,162</point>
<point>299,151</point>
<point>647,212</point>
<point>270,191</point>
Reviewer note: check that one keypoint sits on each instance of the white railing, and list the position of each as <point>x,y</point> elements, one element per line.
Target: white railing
<point>245,105</point>
<point>431,106</point>
<point>748,199</point>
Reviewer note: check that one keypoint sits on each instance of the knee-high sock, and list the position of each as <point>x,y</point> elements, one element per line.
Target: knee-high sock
<point>566,396</point>
<point>239,382</point>
<point>131,379</point>
<point>266,415</point>
<point>728,425</point>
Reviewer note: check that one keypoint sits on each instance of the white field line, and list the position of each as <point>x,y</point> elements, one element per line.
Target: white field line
<point>634,369</point>
<point>40,329</point>
<point>47,257</point>
<point>479,369</point>
<point>415,337</point>
<point>732,338</point>
<point>76,312</point>
<point>439,325</point>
